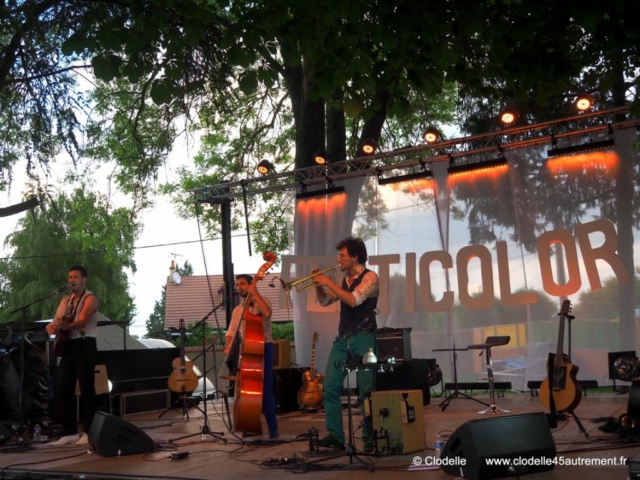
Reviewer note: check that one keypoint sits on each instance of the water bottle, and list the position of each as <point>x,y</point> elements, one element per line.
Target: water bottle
<point>370,357</point>
<point>439,445</point>
<point>37,433</point>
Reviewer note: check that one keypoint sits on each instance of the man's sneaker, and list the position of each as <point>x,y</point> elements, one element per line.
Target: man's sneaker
<point>331,442</point>
<point>66,440</point>
<point>368,446</point>
<point>83,440</point>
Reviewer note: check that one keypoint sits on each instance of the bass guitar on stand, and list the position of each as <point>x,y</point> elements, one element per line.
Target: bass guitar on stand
<point>310,395</point>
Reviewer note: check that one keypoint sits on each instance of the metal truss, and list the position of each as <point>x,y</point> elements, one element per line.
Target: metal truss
<point>460,151</point>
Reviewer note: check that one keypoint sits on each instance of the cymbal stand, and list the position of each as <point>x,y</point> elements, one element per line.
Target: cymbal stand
<point>456,393</point>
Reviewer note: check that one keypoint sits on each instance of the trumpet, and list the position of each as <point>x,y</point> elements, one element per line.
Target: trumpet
<point>302,284</point>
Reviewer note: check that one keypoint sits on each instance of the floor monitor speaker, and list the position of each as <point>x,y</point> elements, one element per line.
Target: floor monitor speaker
<point>523,437</point>
<point>112,436</point>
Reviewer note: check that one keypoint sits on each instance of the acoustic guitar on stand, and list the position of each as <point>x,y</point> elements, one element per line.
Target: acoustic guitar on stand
<point>310,395</point>
<point>561,381</point>
<point>183,379</point>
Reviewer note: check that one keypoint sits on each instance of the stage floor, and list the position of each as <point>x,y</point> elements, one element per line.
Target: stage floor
<point>235,459</point>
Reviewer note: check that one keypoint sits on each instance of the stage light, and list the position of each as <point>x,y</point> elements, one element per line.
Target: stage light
<point>583,102</point>
<point>434,374</point>
<point>431,135</point>
<point>623,366</point>
<point>328,190</point>
<point>423,173</point>
<point>508,116</point>
<point>265,167</point>
<point>368,146</point>
<point>469,167</point>
<point>584,147</point>
<point>321,158</point>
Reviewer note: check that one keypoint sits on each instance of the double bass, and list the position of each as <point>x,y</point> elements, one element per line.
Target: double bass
<point>250,372</point>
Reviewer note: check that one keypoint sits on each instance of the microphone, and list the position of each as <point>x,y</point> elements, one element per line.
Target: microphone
<point>62,289</point>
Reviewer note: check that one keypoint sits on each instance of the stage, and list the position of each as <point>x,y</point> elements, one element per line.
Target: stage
<point>234,459</point>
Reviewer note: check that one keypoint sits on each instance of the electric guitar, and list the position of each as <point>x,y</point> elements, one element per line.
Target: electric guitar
<point>561,382</point>
<point>310,395</point>
<point>183,379</point>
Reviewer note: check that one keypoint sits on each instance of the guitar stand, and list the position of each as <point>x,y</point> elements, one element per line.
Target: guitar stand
<point>456,393</point>
<point>185,403</point>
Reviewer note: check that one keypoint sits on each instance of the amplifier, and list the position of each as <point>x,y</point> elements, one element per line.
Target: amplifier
<point>281,354</point>
<point>395,342</point>
<point>401,412</point>
<point>144,401</point>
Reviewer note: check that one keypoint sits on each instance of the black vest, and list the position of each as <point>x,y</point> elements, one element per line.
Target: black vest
<point>361,317</point>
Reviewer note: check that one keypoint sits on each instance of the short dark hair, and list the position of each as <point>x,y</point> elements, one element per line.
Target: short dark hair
<point>246,277</point>
<point>355,248</point>
<point>82,270</point>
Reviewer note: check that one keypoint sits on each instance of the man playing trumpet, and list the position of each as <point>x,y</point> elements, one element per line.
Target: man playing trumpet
<point>358,297</point>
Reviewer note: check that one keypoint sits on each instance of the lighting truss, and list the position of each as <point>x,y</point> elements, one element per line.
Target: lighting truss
<point>405,158</point>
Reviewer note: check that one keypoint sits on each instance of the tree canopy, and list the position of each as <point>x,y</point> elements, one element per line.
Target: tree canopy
<point>78,229</point>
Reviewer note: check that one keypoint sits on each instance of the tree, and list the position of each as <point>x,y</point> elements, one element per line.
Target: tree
<point>81,228</point>
<point>155,322</point>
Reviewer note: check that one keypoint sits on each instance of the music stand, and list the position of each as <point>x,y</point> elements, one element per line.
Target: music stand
<point>205,427</point>
<point>456,393</point>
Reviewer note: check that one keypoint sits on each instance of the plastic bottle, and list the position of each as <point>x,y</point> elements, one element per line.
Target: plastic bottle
<point>370,357</point>
<point>37,433</point>
<point>439,445</point>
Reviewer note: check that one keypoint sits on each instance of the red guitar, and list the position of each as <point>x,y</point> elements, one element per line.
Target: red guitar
<point>561,381</point>
<point>310,395</point>
<point>62,338</point>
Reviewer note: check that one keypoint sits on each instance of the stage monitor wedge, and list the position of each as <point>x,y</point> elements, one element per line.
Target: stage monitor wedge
<point>112,436</point>
<point>522,437</point>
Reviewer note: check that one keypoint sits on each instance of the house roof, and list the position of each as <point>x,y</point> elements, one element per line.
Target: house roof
<point>191,299</point>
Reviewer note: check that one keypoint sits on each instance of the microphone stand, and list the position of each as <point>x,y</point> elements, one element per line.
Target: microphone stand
<point>205,427</point>
<point>23,320</point>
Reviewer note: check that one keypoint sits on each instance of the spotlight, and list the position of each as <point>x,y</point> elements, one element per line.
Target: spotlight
<point>368,146</point>
<point>434,374</point>
<point>623,366</point>
<point>508,116</point>
<point>265,167</point>
<point>583,102</point>
<point>321,158</point>
<point>431,135</point>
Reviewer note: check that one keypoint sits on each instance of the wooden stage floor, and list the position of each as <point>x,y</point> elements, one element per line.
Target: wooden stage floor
<point>237,460</point>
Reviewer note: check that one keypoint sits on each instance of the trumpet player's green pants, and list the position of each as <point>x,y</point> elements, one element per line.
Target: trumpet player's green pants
<point>344,349</point>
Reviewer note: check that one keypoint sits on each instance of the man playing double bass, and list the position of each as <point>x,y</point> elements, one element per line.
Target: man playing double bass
<point>262,306</point>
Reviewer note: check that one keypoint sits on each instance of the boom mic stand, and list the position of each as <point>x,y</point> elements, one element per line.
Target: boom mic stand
<point>205,427</point>
<point>24,309</point>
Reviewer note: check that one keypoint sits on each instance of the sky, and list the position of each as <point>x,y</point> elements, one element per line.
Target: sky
<point>164,237</point>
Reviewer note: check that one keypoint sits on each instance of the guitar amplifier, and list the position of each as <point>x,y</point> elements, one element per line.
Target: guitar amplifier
<point>281,354</point>
<point>395,342</point>
<point>401,412</point>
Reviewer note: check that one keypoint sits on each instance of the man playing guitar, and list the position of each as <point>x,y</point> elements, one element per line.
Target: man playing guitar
<point>77,316</point>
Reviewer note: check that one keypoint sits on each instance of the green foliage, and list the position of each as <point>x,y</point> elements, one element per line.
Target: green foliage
<point>603,304</point>
<point>282,331</point>
<point>69,230</point>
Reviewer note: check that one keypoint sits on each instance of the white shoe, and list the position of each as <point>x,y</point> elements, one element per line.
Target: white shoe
<point>83,440</point>
<point>66,440</point>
